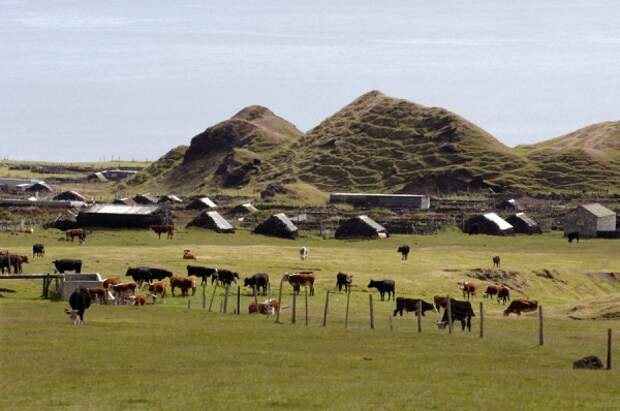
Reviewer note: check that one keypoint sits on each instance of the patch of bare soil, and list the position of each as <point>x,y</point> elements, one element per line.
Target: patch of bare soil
<point>552,275</point>
<point>605,308</point>
<point>610,277</point>
<point>510,279</point>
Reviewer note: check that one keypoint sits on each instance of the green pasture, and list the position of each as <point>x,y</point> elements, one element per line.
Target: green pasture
<point>166,356</point>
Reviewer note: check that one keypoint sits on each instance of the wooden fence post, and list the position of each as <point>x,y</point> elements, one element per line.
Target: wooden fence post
<point>481,321</point>
<point>419,315</point>
<point>255,296</point>
<point>346,313</point>
<point>226,298</point>
<point>239,300</point>
<point>325,308</point>
<point>391,322</point>
<point>372,312</point>
<point>204,296</point>
<point>294,309</point>
<point>449,310</point>
<point>213,294</point>
<point>541,335</point>
<point>306,317</point>
<point>189,303</point>
<point>609,366</point>
<point>279,302</point>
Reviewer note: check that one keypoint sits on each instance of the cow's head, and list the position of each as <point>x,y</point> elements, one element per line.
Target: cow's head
<point>74,315</point>
<point>372,283</point>
<point>442,325</point>
<point>507,312</point>
<point>246,282</point>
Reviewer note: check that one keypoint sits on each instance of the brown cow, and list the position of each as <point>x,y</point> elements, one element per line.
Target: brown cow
<point>184,283</point>
<point>519,306</point>
<point>441,301</point>
<point>98,294</point>
<point>139,300</point>
<point>123,290</point>
<point>187,255</point>
<point>167,229</point>
<point>469,289</point>
<point>267,307</point>
<point>80,233</point>
<point>111,281</point>
<point>496,261</point>
<point>158,288</point>
<point>491,291</point>
<point>296,280</point>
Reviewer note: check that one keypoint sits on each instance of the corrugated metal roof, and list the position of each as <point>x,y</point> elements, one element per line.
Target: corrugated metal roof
<point>526,219</point>
<point>289,224</point>
<point>220,221</point>
<point>501,223</point>
<point>598,210</point>
<point>377,195</point>
<point>207,201</point>
<point>378,227</point>
<point>121,209</point>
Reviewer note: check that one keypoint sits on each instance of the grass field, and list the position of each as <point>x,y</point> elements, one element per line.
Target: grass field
<point>166,356</point>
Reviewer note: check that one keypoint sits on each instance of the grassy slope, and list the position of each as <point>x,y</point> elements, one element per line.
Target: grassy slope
<point>165,356</point>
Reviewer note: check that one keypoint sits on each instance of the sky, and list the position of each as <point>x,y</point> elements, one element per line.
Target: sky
<point>92,80</point>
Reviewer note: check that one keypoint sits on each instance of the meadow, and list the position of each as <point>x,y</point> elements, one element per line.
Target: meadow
<point>166,356</point>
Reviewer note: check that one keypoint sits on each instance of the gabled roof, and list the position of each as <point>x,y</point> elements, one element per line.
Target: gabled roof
<point>598,210</point>
<point>287,222</point>
<point>501,223</point>
<point>121,209</point>
<point>219,221</point>
<point>376,226</point>
<point>526,219</point>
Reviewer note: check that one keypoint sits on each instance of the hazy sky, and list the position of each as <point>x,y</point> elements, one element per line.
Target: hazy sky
<point>83,80</point>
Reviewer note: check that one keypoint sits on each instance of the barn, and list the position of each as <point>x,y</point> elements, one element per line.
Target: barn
<point>361,227</point>
<point>201,204</point>
<point>244,209</point>
<point>591,220</point>
<point>213,221</point>
<point>38,187</point>
<point>120,216</point>
<point>71,196</point>
<point>524,224</point>
<point>489,223</point>
<point>278,225</point>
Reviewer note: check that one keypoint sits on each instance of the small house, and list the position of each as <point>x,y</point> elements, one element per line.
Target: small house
<point>212,220</point>
<point>591,220</point>
<point>361,227</point>
<point>38,187</point>
<point>489,223</point>
<point>121,216</point>
<point>524,224</point>
<point>278,225</point>
<point>71,196</point>
<point>201,204</point>
<point>244,209</point>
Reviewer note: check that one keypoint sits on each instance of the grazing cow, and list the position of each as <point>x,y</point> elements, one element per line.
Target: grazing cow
<point>404,252</point>
<point>139,300</point>
<point>14,261</point>
<point>98,294</point>
<point>68,265</point>
<point>158,289</point>
<point>123,290</point>
<point>461,311</point>
<point>503,296</point>
<point>79,300</point>
<point>521,306</point>
<point>496,261</point>
<point>111,281</point>
<point>344,280</point>
<point>201,272</point>
<point>469,289</point>
<point>296,280</point>
<point>184,283</point>
<point>159,274</point>
<point>187,255</point>
<point>267,307</point>
<point>226,277</point>
<point>38,250</point>
<point>492,290</point>
<point>304,253</point>
<point>258,281</point>
<point>440,301</point>
<point>167,229</point>
<point>573,236</point>
<point>383,286</point>
<point>139,275</point>
<point>411,304</point>
<point>80,233</point>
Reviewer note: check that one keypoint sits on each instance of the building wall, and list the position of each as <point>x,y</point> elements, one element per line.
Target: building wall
<point>582,222</point>
<point>606,224</point>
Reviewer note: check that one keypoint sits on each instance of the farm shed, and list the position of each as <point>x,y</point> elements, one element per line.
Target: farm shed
<point>146,199</point>
<point>38,187</point>
<point>510,205</point>
<point>246,208</point>
<point>71,196</point>
<point>212,220</point>
<point>111,175</point>
<point>18,184</point>
<point>361,227</point>
<point>591,220</point>
<point>33,202</point>
<point>278,225</point>
<point>524,224</point>
<point>201,203</point>
<point>120,216</point>
<point>489,223</point>
<point>422,202</point>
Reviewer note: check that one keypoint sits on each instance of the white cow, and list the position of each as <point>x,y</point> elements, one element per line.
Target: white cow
<point>303,253</point>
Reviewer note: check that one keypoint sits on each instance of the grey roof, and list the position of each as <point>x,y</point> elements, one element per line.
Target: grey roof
<point>526,219</point>
<point>501,223</point>
<point>377,195</point>
<point>219,221</point>
<point>121,209</point>
<point>289,224</point>
<point>376,226</point>
<point>598,210</point>
<point>14,182</point>
<point>206,201</point>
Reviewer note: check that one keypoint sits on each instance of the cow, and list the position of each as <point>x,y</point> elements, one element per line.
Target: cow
<point>404,252</point>
<point>491,291</point>
<point>304,253</point>
<point>201,272</point>
<point>267,307</point>
<point>440,301</point>
<point>80,233</point>
<point>573,236</point>
<point>123,290</point>
<point>38,250</point>
<point>158,289</point>
<point>258,281</point>
<point>111,281</point>
<point>496,261</point>
<point>503,296</point>
<point>159,274</point>
<point>296,280</point>
<point>461,311</point>
<point>139,300</point>
<point>469,289</point>
<point>184,283</point>
<point>139,275</point>
<point>14,261</point>
<point>344,280</point>
<point>521,306</point>
<point>160,229</point>
<point>187,255</point>
<point>411,304</point>
<point>226,277</point>
<point>98,294</point>
<point>383,286</point>
<point>68,265</point>
<point>79,300</point>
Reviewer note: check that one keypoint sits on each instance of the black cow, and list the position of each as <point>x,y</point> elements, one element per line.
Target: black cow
<point>11,260</point>
<point>383,286</point>
<point>503,296</point>
<point>461,310</point>
<point>140,275</point>
<point>344,280</point>
<point>573,236</point>
<point>79,301</point>
<point>411,304</point>
<point>38,250</point>
<point>159,274</point>
<point>226,277</point>
<point>258,280</point>
<point>201,272</point>
<point>68,265</point>
<point>404,251</point>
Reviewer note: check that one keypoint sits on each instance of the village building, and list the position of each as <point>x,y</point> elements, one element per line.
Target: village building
<point>212,220</point>
<point>361,227</point>
<point>201,204</point>
<point>489,223</point>
<point>278,225</point>
<point>591,220</point>
<point>120,216</point>
<point>524,224</point>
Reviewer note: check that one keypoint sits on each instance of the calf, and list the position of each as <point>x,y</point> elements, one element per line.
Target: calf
<point>404,252</point>
<point>68,265</point>
<point>411,304</point>
<point>201,272</point>
<point>123,290</point>
<point>267,307</point>
<point>384,286</point>
<point>139,300</point>
<point>461,311</point>
<point>503,296</point>
<point>296,280</point>
<point>187,255</point>
<point>226,277</point>
<point>469,289</point>
<point>521,306</point>
<point>258,281</point>
<point>496,261</point>
<point>158,289</point>
<point>79,300</point>
<point>184,283</point>
<point>111,281</point>
<point>98,294</point>
<point>38,250</point>
<point>303,253</point>
<point>344,280</point>
<point>491,291</point>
